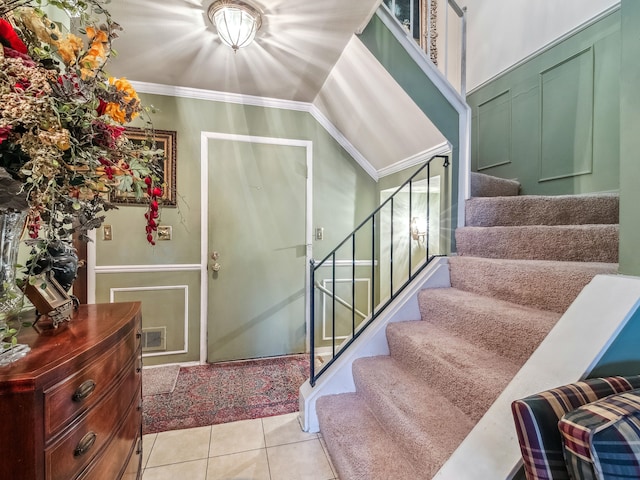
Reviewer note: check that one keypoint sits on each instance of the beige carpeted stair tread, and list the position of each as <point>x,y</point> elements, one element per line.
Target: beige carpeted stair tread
<point>470,376</point>
<point>542,284</point>
<point>543,210</point>
<point>574,243</point>
<point>418,418</point>
<point>359,447</point>
<point>488,186</point>
<point>510,330</point>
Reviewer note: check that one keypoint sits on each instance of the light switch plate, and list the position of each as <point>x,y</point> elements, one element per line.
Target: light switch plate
<point>164,232</point>
<point>319,233</point>
<point>107,233</point>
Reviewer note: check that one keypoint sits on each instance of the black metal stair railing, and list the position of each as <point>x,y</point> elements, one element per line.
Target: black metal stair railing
<point>393,233</point>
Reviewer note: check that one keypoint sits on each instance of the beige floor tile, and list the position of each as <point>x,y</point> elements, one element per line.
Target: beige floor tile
<point>180,446</point>
<point>250,465</point>
<point>196,470</point>
<point>147,446</point>
<point>236,437</point>
<point>299,461</point>
<point>284,429</point>
<point>326,452</point>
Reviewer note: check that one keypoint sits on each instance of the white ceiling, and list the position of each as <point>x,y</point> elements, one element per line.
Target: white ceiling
<point>299,43</point>
<point>305,51</point>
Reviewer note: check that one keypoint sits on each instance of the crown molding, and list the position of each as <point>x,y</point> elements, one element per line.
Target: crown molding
<point>417,159</point>
<point>343,141</point>
<point>226,97</point>
<point>215,96</point>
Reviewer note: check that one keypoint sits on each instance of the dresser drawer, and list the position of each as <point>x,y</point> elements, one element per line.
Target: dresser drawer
<point>123,456</point>
<point>80,444</point>
<point>75,394</point>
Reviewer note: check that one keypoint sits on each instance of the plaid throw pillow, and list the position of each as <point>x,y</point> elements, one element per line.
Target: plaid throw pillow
<point>602,439</point>
<point>536,420</point>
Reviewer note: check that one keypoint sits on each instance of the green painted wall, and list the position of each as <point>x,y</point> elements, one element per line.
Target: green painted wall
<point>394,58</point>
<point>343,194</point>
<point>630,139</point>
<point>553,122</point>
<point>621,358</point>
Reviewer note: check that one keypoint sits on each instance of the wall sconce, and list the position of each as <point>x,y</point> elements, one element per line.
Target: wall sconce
<point>236,22</point>
<point>418,230</point>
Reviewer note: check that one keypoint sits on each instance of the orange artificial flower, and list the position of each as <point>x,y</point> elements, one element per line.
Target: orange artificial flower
<point>69,47</point>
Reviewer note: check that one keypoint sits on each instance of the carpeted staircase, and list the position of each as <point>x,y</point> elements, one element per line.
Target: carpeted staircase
<point>521,262</point>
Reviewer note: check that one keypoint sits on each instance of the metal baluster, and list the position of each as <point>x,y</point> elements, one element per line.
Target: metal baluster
<point>391,251</point>
<point>373,263</point>
<point>333,319</point>
<point>410,218</point>
<point>353,283</point>
<point>312,333</point>
<point>428,227</point>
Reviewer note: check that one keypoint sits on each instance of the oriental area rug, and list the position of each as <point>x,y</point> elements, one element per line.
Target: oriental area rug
<point>226,392</point>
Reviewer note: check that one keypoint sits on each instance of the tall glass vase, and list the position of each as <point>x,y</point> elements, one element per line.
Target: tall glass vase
<point>11,226</point>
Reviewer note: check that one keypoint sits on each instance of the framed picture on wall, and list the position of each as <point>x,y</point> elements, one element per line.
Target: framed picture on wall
<point>165,140</point>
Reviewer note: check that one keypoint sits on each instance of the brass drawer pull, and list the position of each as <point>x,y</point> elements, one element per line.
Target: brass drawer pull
<point>85,444</point>
<point>84,390</point>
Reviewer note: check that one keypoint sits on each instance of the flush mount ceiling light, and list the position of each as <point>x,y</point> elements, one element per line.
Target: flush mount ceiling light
<point>236,21</point>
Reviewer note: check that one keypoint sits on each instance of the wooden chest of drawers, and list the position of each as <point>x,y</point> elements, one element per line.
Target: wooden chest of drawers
<point>72,408</point>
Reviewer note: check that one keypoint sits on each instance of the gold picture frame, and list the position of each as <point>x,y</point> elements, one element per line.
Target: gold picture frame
<point>165,140</point>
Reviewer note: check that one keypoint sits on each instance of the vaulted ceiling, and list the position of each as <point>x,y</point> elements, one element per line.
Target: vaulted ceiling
<point>305,51</point>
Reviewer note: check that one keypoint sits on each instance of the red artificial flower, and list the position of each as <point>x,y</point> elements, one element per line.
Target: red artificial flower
<point>22,85</point>
<point>102,107</point>
<point>9,38</point>
<point>107,135</point>
<point>4,133</point>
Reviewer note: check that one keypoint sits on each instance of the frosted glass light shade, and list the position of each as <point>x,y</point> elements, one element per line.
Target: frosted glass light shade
<point>237,22</point>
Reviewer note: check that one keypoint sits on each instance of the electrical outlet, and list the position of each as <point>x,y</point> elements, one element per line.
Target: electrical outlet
<point>107,233</point>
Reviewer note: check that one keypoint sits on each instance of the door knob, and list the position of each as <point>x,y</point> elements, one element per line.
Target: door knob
<point>215,266</point>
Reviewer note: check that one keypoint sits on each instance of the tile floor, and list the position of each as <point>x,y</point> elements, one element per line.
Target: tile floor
<point>272,448</point>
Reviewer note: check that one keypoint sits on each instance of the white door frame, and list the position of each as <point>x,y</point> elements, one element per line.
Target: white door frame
<point>205,137</point>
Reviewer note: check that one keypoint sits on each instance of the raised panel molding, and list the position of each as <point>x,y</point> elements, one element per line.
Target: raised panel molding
<point>494,131</point>
<point>161,298</point>
<point>566,117</point>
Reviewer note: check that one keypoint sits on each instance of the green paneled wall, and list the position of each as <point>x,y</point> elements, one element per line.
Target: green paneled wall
<point>165,297</point>
<point>343,195</point>
<point>552,122</point>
